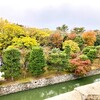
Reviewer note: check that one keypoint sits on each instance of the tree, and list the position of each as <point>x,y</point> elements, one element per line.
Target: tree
<point>36,61</point>
<point>97,42</point>
<point>78,30</point>
<point>89,37</point>
<point>56,40</point>
<point>73,46</point>
<point>11,63</point>
<point>63,28</point>
<point>24,42</point>
<point>58,60</point>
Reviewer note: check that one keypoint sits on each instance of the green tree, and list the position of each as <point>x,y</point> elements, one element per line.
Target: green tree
<point>62,28</point>
<point>36,61</point>
<point>11,63</point>
<point>78,30</point>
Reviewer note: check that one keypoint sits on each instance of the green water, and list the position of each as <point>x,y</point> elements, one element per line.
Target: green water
<point>49,91</point>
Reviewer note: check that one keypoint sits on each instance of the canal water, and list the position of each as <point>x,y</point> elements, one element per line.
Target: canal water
<point>52,90</point>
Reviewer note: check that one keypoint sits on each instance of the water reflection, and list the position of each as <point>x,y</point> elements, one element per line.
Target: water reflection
<point>49,91</point>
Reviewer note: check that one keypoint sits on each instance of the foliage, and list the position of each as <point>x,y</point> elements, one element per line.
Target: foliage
<point>78,30</point>
<point>73,45</point>
<point>36,61</point>
<point>91,52</point>
<point>58,61</point>
<point>97,42</point>
<point>80,41</point>
<point>2,24</point>
<point>11,61</point>
<point>81,66</point>
<point>98,50</point>
<point>55,40</point>
<point>83,57</point>
<point>41,35</point>
<point>71,36</point>
<point>89,37</point>
<point>67,51</point>
<point>9,31</point>
<point>24,42</point>
<point>63,28</point>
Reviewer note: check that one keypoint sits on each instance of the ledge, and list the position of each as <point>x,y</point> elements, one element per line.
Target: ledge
<point>41,82</point>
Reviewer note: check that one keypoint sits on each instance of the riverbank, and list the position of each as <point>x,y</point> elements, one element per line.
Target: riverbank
<point>86,92</point>
<point>41,82</point>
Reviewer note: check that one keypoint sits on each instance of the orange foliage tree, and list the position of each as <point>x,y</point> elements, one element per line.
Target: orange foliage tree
<point>71,36</point>
<point>56,40</point>
<point>89,37</point>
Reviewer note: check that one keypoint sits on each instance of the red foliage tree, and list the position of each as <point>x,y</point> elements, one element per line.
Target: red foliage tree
<point>81,67</point>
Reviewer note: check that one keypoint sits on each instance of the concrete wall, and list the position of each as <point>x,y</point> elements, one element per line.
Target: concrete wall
<point>86,92</point>
<point>40,83</point>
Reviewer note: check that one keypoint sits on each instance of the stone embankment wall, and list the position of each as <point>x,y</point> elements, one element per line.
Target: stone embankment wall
<point>86,92</point>
<point>40,83</point>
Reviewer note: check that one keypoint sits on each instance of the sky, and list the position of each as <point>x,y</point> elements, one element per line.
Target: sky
<point>52,13</point>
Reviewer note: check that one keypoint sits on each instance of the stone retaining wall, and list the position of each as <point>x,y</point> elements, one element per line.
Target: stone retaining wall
<point>41,82</point>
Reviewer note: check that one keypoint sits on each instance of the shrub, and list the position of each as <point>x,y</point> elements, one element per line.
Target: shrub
<point>36,61</point>
<point>97,42</point>
<point>67,51</point>
<point>73,46</point>
<point>11,61</point>
<point>83,57</point>
<point>87,49</point>
<point>80,41</point>
<point>91,52</point>
<point>58,61</point>
<point>81,66</point>
<point>89,37</point>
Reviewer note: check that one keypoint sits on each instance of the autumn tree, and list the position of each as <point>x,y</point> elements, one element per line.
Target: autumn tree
<point>89,37</point>
<point>55,40</point>
<point>73,46</point>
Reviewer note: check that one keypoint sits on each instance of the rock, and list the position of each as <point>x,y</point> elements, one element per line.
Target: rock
<point>74,95</point>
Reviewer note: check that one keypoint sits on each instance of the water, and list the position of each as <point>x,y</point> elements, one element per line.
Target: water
<point>49,91</point>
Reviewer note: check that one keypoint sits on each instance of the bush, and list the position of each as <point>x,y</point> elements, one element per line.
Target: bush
<point>81,66</point>
<point>58,61</point>
<point>73,46</point>
<point>80,41</point>
<point>11,61</point>
<point>87,49</point>
<point>83,57</point>
<point>91,52</point>
<point>97,42</point>
<point>67,51</point>
<point>36,61</point>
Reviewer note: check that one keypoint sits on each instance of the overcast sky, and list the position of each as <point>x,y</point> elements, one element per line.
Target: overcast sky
<point>52,13</point>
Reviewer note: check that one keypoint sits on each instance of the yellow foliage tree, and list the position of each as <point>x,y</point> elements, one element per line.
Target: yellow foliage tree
<point>24,42</point>
<point>73,45</point>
